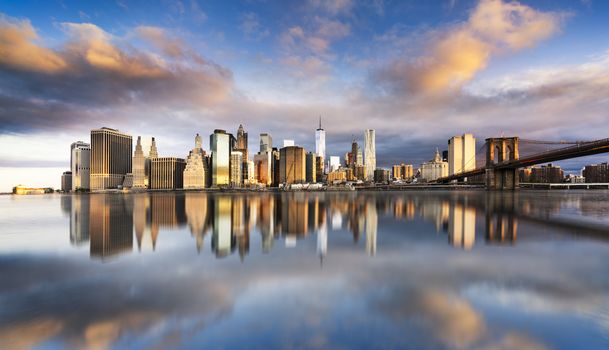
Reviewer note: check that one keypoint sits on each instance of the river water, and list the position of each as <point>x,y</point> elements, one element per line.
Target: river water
<point>418,270</point>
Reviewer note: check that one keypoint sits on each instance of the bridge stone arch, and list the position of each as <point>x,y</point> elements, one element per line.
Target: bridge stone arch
<point>499,152</point>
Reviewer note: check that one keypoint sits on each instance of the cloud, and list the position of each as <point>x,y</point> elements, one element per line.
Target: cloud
<point>333,7</point>
<point>453,58</point>
<point>94,71</point>
<point>252,28</point>
<point>18,50</point>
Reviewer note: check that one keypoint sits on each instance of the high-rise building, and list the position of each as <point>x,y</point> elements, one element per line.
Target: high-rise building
<point>334,163</point>
<point>262,168</point>
<point>396,172</point>
<point>370,153</point>
<point>153,153</point>
<point>547,174</point>
<point>66,181</point>
<point>250,172</point>
<point>241,145</point>
<point>110,158</point>
<point>80,165</point>
<point>194,173</point>
<point>319,168</point>
<point>219,142</point>
<point>292,165</point>
<point>360,172</point>
<point>140,176</point>
<point>320,141</point>
<point>236,164</point>
<point>596,173</point>
<point>381,175</point>
<point>167,173</point>
<point>353,154</point>
<point>434,169</point>
<point>311,170</point>
<point>461,154</point>
<point>402,171</point>
<point>266,143</point>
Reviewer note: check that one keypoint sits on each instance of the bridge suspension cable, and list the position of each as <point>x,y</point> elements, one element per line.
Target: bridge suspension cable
<point>562,142</point>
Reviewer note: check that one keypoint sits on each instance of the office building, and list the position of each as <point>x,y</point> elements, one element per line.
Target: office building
<point>110,158</point>
<point>220,146</point>
<point>251,172</point>
<point>461,154</point>
<point>292,165</point>
<point>266,143</point>
<point>369,153</point>
<point>241,145</point>
<point>262,168</point>
<point>320,141</point>
<point>337,176</point>
<point>167,173</point>
<point>381,176</point>
<point>402,171</point>
<point>194,172</point>
<point>311,169</point>
<point>140,175</point>
<point>319,168</point>
<point>66,181</point>
<point>352,157</point>
<point>275,167</point>
<point>80,165</point>
<point>596,173</point>
<point>547,174</point>
<point>360,172</point>
<point>434,169</point>
<point>334,163</point>
<point>236,164</point>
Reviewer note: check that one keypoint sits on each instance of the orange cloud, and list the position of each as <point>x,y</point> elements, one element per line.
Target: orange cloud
<point>453,58</point>
<point>17,49</point>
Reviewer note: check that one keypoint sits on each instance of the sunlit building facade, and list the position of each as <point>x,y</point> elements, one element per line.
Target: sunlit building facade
<point>219,143</point>
<point>80,165</point>
<point>236,165</point>
<point>167,173</point>
<point>320,141</point>
<point>434,169</point>
<point>461,154</point>
<point>194,172</point>
<point>370,153</point>
<point>110,158</point>
<point>292,165</point>
<point>140,176</point>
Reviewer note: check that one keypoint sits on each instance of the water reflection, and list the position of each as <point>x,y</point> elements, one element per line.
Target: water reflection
<point>447,270</point>
<point>109,221</point>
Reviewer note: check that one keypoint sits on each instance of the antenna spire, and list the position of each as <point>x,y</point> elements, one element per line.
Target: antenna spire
<point>320,122</point>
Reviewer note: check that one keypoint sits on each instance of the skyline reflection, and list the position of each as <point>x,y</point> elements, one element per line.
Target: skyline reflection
<point>109,222</point>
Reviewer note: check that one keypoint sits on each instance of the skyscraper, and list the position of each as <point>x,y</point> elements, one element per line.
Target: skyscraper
<point>461,154</point>
<point>311,170</point>
<point>320,141</point>
<point>369,153</point>
<point>66,181</point>
<point>219,143</point>
<point>236,164</point>
<point>266,143</point>
<point>292,165</point>
<point>139,166</point>
<point>241,145</point>
<point>194,173</point>
<point>80,165</point>
<point>167,173</point>
<point>110,158</point>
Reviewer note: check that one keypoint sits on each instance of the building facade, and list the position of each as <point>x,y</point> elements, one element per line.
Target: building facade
<point>140,175</point>
<point>236,165</point>
<point>266,143</point>
<point>434,169</point>
<point>110,158</point>
<point>219,143</point>
<point>241,145</point>
<point>194,172</point>
<point>167,173</point>
<point>311,169</point>
<point>66,181</point>
<point>80,165</point>
<point>370,153</point>
<point>596,173</point>
<point>320,141</point>
<point>461,154</point>
<point>292,165</point>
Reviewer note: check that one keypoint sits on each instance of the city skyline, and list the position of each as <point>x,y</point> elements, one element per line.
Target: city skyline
<point>208,66</point>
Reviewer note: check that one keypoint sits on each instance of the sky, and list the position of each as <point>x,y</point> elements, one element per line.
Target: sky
<point>418,72</point>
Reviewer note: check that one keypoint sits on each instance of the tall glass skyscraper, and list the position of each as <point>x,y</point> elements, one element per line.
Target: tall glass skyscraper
<point>219,143</point>
<point>369,153</point>
<point>320,141</point>
<point>110,158</point>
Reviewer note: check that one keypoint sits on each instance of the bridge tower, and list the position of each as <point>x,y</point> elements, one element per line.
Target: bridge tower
<point>499,153</point>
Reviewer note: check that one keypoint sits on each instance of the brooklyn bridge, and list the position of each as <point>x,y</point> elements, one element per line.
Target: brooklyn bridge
<point>504,157</point>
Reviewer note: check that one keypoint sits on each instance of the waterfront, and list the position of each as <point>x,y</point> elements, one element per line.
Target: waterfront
<point>454,269</point>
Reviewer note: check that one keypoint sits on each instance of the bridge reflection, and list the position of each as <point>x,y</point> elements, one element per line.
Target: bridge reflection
<point>109,222</point>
